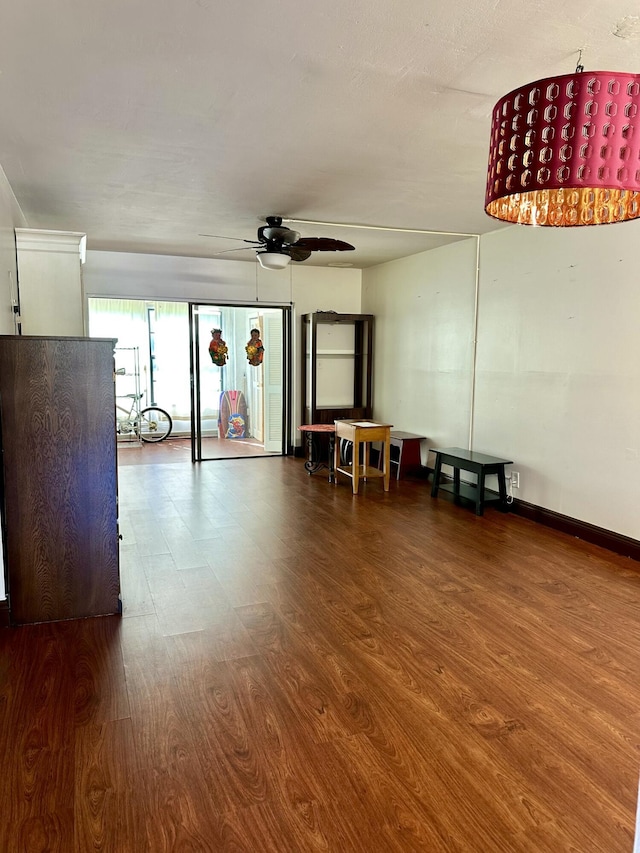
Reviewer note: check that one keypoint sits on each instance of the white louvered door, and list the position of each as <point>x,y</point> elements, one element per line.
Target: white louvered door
<point>273,380</point>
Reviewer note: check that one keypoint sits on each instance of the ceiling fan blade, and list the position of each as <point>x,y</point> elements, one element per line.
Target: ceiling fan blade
<point>296,253</point>
<point>222,237</point>
<point>322,244</point>
<point>219,236</point>
<point>237,249</point>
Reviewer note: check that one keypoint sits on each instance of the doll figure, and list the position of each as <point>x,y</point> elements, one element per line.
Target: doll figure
<point>217,348</point>
<point>254,348</point>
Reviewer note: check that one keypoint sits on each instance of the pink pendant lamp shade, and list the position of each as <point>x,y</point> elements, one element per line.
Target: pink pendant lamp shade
<point>566,151</point>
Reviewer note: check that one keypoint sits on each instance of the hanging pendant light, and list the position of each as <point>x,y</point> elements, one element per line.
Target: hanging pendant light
<point>565,151</point>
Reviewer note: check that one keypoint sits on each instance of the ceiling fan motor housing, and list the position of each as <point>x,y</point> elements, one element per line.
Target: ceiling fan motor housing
<point>276,234</point>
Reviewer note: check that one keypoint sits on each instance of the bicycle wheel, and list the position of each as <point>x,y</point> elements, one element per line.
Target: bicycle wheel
<point>155,424</point>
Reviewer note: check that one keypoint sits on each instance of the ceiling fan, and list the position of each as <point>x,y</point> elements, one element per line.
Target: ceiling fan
<point>276,246</point>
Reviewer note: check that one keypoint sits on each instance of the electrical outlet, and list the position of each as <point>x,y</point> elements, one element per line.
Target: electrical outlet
<point>515,479</point>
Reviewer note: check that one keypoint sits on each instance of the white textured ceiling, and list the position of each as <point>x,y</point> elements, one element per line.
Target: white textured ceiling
<point>147,122</point>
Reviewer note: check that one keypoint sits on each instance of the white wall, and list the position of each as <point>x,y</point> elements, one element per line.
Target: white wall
<point>10,217</point>
<point>558,368</point>
<point>50,280</point>
<point>423,345</point>
<point>557,385</point>
<point>133,276</point>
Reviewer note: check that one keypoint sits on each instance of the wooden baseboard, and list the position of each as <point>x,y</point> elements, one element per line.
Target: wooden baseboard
<point>4,613</point>
<point>615,542</point>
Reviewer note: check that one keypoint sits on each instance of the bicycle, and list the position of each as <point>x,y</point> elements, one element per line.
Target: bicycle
<point>149,424</point>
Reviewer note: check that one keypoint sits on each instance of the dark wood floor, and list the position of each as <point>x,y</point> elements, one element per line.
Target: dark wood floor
<point>299,670</point>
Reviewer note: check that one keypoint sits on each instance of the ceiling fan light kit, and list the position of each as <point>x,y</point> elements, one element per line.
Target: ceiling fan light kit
<point>273,260</point>
<point>565,151</point>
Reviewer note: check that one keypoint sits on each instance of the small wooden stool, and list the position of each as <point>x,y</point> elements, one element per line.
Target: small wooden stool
<point>405,452</point>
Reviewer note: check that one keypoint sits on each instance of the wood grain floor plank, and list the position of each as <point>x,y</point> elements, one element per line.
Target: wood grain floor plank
<point>226,640</point>
<point>413,824</point>
<point>105,797</point>
<point>34,834</point>
<point>100,686</point>
<point>134,587</point>
<point>232,767</point>
<point>37,733</point>
<point>178,816</point>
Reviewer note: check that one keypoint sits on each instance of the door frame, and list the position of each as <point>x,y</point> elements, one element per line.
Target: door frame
<point>194,372</point>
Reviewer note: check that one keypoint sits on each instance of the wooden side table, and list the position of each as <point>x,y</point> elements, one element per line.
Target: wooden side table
<point>478,463</point>
<point>313,462</point>
<point>405,452</point>
<point>362,433</point>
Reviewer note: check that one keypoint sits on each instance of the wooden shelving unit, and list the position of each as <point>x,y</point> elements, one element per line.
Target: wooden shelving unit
<point>337,366</point>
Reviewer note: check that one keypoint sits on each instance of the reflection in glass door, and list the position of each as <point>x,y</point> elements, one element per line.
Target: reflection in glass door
<point>239,399</point>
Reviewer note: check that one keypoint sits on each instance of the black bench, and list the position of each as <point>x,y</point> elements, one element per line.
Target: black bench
<point>479,464</point>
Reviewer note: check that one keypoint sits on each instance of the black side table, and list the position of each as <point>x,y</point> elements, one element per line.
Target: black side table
<point>313,462</point>
<point>479,464</point>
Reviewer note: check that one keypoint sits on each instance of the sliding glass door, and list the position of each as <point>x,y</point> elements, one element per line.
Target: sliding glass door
<point>236,404</point>
<point>239,380</point>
